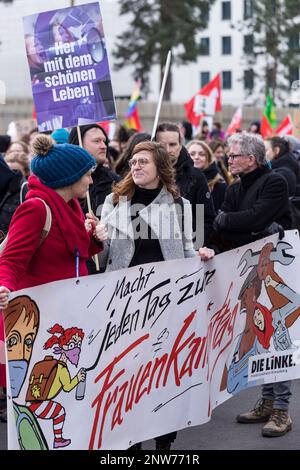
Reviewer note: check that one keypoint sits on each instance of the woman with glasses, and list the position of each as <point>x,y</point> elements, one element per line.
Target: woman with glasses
<point>135,216</point>
<point>202,157</point>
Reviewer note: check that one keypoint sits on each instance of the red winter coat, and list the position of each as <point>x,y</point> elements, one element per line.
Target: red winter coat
<point>26,263</point>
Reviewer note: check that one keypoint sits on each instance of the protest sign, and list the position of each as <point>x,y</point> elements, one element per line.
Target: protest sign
<point>69,68</point>
<point>155,348</point>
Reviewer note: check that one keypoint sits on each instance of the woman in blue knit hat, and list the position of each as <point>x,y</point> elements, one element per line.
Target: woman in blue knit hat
<point>36,254</point>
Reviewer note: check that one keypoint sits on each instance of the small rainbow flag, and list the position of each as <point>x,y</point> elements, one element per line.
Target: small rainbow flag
<point>132,120</point>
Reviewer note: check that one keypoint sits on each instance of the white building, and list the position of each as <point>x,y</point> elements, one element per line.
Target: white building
<point>223,41</point>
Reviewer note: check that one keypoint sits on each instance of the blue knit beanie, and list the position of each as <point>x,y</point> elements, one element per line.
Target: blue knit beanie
<point>61,136</point>
<point>59,165</point>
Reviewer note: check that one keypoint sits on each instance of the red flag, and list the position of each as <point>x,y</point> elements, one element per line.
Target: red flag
<point>286,127</point>
<point>265,128</point>
<point>206,101</point>
<point>236,122</point>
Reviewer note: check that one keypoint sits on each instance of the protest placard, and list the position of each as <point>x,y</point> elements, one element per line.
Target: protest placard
<point>69,67</point>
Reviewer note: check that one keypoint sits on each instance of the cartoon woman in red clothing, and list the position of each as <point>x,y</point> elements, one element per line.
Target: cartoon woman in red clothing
<point>50,376</point>
<point>262,325</point>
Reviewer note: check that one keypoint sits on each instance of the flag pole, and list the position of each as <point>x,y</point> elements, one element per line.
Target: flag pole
<point>88,197</point>
<point>166,73</point>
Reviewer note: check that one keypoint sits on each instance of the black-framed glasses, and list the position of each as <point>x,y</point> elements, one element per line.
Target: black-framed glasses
<point>236,155</point>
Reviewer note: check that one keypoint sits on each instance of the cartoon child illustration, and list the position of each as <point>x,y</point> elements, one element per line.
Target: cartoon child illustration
<point>21,319</point>
<point>50,376</point>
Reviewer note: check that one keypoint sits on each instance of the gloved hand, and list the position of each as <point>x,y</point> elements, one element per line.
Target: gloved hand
<point>273,228</point>
<point>220,222</point>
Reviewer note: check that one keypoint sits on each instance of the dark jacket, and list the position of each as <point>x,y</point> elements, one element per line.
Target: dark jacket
<point>193,186</point>
<point>289,161</point>
<point>251,205</point>
<point>12,193</point>
<point>103,179</point>
<point>290,178</point>
<point>219,187</point>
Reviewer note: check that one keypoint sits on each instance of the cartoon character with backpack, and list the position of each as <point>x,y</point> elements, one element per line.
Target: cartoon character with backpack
<point>50,376</point>
<point>21,319</point>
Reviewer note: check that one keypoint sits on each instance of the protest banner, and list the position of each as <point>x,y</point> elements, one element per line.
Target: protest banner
<point>156,347</point>
<point>69,67</point>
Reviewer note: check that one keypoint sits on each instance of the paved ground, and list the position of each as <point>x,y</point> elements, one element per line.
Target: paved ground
<point>223,433</point>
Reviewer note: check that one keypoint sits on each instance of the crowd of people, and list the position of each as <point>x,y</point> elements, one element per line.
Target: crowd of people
<point>230,191</point>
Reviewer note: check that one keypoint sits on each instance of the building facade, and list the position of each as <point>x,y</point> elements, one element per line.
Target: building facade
<point>223,51</point>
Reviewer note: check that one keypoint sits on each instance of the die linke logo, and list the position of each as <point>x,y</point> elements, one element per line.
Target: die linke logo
<point>273,363</point>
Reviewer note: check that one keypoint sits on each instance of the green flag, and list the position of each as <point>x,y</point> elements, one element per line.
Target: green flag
<point>270,111</point>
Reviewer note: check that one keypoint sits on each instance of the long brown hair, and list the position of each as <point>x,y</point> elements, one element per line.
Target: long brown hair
<point>165,170</point>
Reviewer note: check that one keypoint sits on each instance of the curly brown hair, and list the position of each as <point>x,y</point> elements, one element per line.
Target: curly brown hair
<point>165,170</point>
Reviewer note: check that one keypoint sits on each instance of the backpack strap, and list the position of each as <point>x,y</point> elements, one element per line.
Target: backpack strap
<point>48,222</point>
<point>45,231</point>
<point>23,191</point>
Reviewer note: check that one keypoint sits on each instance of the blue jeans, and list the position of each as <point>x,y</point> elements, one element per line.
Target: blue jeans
<point>279,393</point>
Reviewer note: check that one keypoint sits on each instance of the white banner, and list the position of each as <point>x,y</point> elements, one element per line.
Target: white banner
<point>160,346</point>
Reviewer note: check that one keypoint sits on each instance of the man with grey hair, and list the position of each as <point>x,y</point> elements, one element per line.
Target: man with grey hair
<point>257,204</point>
<point>254,207</point>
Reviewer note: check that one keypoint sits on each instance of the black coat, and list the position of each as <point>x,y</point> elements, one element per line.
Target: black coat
<point>103,179</point>
<point>193,186</point>
<point>12,193</point>
<point>289,161</point>
<point>219,189</point>
<point>253,204</point>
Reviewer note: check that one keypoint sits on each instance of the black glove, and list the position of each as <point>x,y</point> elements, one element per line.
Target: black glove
<point>273,228</point>
<point>220,222</point>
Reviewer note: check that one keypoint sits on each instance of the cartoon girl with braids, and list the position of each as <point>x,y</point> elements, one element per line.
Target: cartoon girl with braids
<point>68,346</point>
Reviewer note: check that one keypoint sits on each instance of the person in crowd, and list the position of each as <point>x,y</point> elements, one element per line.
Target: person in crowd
<point>114,154</point>
<point>18,161</point>
<point>219,155</point>
<point>254,127</point>
<point>13,189</point>
<point>150,183</point>
<point>15,165</point>
<point>60,136</point>
<point>32,135</point>
<point>18,147</point>
<point>202,157</point>
<point>256,206</point>
<point>294,146</point>
<point>186,130</point>
<point>279,154</point>
<point>217,132</point>
<point>5,141</point>
<point>191,181</point>
<point>61,174</point>
<point>122,166</point>
<point>121,137</point>
<point>95,141</point>
<point>204,133</point>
